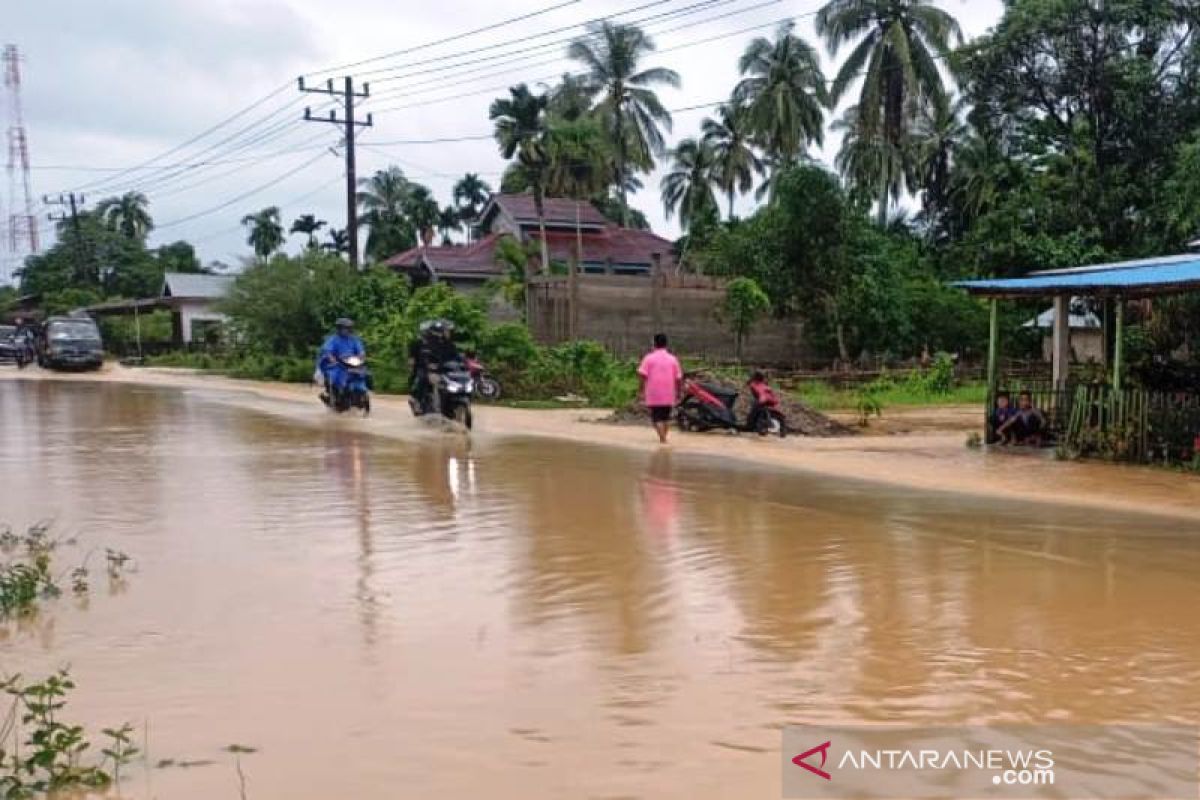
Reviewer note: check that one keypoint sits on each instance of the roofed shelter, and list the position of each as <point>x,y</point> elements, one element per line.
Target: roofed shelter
<point>1119,282</point>
<point>191,298</point>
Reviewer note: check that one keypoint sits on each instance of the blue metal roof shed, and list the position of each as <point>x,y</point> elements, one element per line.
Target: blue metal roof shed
<point>1144,278</point>
<point>1148,277</point>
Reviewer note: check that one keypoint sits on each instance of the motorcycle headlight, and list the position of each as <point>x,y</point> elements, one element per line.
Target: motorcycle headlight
<point>470,386</point>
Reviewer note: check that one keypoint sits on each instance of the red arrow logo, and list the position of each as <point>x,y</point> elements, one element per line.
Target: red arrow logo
<point>823,749</point>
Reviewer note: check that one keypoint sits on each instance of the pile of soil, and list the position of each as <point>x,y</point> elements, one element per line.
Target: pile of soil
<point>801,419</point>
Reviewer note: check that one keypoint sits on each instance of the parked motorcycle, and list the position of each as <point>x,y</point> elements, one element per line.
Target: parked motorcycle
<point>486,385</point>
<point>355,389</point>
<point>706,407</point>
<point>450,394</point>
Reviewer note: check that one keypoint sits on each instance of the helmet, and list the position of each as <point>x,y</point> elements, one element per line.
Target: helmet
<point>343,322</point>
<point>437,327</point>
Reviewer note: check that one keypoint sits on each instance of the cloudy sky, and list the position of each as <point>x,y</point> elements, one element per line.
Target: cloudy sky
<point>109,86</point>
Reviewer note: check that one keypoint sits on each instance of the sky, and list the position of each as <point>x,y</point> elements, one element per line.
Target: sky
<point>124,83</point>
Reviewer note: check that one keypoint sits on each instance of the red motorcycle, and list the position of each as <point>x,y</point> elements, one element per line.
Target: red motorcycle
<point>707,406</point>
<point>486,386</point>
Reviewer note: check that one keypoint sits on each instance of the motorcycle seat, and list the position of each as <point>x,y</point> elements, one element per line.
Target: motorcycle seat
<point>726,396</point>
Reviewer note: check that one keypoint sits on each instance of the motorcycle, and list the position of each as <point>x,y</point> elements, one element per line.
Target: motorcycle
<point>355,389</point>
<point>486,385</point>
<point>706,407</point>
<point>450,393</point>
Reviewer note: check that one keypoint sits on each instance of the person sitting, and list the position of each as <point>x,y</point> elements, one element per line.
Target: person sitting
<point>342,343</point>
<point>763,397</point>
<point>1001,414</point>
<point>1027,426</point>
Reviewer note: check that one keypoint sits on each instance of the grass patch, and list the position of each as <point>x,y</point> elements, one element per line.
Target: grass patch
<point>822,396</point>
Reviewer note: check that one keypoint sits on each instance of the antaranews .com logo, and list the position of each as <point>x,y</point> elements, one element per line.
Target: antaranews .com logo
<point>1082,762</point>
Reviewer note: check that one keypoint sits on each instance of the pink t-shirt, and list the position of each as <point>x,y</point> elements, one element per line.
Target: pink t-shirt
<point>661,371</point>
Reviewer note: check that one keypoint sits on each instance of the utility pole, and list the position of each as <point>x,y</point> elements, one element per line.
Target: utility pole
<point>22,223</point>
<point>70,203</point>
<point>348,94</point>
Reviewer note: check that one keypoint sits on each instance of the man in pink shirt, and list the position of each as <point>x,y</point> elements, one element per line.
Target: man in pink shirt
<point>661,382</point>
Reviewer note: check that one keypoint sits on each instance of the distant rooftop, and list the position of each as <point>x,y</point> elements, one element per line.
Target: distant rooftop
<point>196,285</point>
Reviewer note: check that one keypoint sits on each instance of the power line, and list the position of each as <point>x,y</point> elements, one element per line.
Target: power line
<point>242,196</point>
<point>455,37</point>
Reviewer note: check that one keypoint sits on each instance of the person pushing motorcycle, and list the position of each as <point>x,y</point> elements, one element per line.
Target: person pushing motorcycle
<point>342,343</point>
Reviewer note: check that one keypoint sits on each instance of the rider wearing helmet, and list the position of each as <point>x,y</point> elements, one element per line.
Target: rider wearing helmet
<point>340,344</point>
<point>433,347</point>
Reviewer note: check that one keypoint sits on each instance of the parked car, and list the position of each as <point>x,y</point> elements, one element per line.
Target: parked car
<point>12,346</point>
<point>70,343</point>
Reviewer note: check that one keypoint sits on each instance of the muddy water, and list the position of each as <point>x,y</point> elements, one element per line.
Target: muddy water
<point>382,618</point>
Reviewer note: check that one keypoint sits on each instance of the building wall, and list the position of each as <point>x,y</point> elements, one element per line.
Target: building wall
<point>1087,346</point>
<point>624,313</point>
<point>191,311</point>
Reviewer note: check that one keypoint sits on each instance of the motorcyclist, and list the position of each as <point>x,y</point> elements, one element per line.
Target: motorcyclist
<point>433,347</point>
<point>342,343</point>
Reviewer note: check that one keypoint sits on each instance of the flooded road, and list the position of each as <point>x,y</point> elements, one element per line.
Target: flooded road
<point>528,619</point>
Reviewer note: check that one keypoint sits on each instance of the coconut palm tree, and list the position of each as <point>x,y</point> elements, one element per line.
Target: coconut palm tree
<point>266,234</point>
<point>423,212</point>
<point>449,221</point>
<point>382,198</point>
<point>127,214</point>
<point>308,225</point>
<point>339,241</point>
<point>688,187</point>
<point>520,130</point>
<point>734,161</point>
<point>937,134</point>
<point>784,94</point>
<point>470,195</point>
<point>570,98</point>
<point>630,111</point>
<point>868,161</point>
<point>899,42</point>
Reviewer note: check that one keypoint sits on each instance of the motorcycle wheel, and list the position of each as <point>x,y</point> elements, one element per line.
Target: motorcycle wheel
<point>772,423</point>
<point>489,388</point>
<point>366,405</point>
<point>462,415</point>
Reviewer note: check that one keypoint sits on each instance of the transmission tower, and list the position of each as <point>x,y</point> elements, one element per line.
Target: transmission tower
<point>22,224</point>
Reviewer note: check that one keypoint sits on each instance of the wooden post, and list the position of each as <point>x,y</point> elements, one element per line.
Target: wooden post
<point>993,358</point>
<point>656,292</point>
<point>1060,351</point>
<point>1119,344</point>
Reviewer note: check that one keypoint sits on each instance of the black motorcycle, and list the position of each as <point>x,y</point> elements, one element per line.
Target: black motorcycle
<point>451,389</point>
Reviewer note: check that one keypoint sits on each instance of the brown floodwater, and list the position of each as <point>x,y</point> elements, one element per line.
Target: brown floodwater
<point>382,618</point>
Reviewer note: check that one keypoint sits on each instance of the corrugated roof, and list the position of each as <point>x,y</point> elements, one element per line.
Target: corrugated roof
<point>1144,277</point>
<point>558,211</point>
<point>1079,317</point>
<point>196,285</point>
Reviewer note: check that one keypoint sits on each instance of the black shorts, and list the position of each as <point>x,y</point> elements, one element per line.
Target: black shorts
<point>661,413</point>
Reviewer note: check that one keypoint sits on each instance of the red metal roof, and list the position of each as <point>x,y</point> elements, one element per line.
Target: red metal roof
<point>477,257</point>
<point>558,211</point>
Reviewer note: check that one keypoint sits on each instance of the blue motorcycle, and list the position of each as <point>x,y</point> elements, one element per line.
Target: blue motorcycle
<point>353,390</point>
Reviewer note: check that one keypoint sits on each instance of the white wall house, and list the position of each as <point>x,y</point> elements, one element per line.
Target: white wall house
<point>193,300</point>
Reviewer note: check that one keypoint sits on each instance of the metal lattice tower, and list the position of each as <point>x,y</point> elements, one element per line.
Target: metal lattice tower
<point>22,223</point>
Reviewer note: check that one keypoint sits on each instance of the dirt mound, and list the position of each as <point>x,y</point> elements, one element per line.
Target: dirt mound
<point>800,418</point>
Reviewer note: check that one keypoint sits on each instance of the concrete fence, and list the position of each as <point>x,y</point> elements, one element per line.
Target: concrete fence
<point>624,312</point>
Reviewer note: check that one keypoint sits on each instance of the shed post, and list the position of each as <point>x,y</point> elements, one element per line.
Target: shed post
<point>993,377</point>
<point>1060,351</point>
<point>1119,343</point>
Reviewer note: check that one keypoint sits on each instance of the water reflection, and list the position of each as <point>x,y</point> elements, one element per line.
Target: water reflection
<point>336,598</point>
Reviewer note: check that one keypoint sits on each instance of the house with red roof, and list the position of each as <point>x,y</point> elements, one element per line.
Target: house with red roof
<point>608,249</point>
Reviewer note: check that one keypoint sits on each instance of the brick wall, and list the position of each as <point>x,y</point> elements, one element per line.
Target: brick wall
<point>624,313</point>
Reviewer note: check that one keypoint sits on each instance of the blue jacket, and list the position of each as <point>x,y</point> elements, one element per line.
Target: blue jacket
<point>339,346</point>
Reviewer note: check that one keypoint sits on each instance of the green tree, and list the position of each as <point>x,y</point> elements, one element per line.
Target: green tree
<point>383,199</point>
<point>127,214</point>
<point>423,212</point>
<point>631,113</point>
<point>178,257</point>
<point>470,195</point>
<point>308,225</point>
<point>520,130</point>
<point>784,92</point>
<point>744,304</point>
<point>688,186</point>
<point>734,161</point>
<point>898,44</point>
<point>338,241</point>
<point>449,221</point>
<point>266,234</point>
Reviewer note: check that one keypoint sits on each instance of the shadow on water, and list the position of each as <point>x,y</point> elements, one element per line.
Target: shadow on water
<point>336,598</point>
